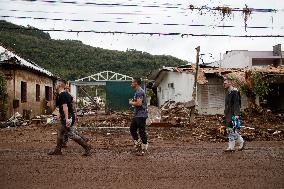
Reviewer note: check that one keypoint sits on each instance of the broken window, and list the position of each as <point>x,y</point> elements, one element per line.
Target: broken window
<point>37,92</point>
<point>48,93</point>
<point>23,91</point>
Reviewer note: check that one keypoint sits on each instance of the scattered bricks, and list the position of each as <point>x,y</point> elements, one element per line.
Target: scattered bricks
<point>176,113</point>
<point>102,119</point>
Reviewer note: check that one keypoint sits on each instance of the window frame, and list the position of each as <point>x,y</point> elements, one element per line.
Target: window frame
<point>48,93</point>
<point>24,91</point>
<point>38,92</point>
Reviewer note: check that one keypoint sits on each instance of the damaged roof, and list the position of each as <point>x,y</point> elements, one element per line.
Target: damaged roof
<point>203,72</point>
<point>156,73</point>
<point>271,70</point>
<point>6,55</point>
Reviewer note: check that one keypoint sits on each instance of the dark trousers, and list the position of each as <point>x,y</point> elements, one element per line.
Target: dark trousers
<point>139,123</point>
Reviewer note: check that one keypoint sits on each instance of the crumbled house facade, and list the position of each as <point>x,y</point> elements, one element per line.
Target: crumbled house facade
<point>177,84</point>
<point>29,87</point>
<point>267,62</point>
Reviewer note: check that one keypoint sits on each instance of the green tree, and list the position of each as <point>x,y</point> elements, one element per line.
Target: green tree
<point>72,59</point>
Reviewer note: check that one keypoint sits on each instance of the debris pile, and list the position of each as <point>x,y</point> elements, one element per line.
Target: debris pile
<point>44,120</point>
<point>16,120</point>
<point>257,128</point>
<point>154,115</point>
<point>89,106</point>
<point>263,124</point>
<point>208,128</point>
<point>90,109</point>
<point>176,113</point>
<point>115,119</point>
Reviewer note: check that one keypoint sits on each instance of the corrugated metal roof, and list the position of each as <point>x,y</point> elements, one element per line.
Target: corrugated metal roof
<point>5,55</point>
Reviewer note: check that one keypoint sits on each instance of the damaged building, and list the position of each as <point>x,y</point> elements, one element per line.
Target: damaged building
<point>274,99</point>
<point>29,86</point>
<point>250,59</point>
<point>269,63</point>
<point>177,84</point>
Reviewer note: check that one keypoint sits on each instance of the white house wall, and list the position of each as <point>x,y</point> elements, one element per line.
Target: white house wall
<point>211,97</point>
<point>235,59</point>
<point>180,92</point>
<point>244,59</point>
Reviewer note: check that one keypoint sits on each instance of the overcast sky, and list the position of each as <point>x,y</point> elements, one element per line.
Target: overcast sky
<point>177,46</point>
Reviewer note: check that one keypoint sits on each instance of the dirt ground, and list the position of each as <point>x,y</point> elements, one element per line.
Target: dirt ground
<point>173,162</point>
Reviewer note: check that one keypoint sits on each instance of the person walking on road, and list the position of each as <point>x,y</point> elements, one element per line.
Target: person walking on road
<point>139,118</point>
<point>67,117</point>
<point>232,119</point>
<point>65,137</point>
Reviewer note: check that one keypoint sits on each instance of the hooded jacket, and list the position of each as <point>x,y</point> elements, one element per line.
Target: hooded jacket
<point>232,104</point>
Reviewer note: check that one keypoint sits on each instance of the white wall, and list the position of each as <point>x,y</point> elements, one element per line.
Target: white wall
<point>234,59</point>
<point>243,58</point>
<point>183,87</point>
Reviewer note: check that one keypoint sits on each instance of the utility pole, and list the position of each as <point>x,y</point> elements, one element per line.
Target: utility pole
<point>196,73</point>
<point>194,94</point>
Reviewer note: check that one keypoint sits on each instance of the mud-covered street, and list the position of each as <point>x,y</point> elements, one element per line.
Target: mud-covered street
<point>178,162</point>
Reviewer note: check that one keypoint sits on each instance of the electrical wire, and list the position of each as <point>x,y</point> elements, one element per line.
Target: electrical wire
<point>145,33</point>
<point>142,23</point>
<point>155,5</point>
<point>36,11</point>
<point>130,22</point>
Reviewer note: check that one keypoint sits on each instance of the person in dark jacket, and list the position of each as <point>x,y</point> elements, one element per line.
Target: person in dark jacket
<point>231,113</point>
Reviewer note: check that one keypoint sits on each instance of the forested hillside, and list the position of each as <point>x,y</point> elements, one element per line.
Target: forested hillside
<point>72,59</point>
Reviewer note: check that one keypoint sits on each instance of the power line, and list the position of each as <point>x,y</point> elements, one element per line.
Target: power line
<point>134,13</point>
<point>37,11</point>
<point>155,5</point>
<point>146,33</point>
<point>131,22</point>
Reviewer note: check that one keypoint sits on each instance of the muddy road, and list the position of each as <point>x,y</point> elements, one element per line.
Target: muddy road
<point>178,162</point>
